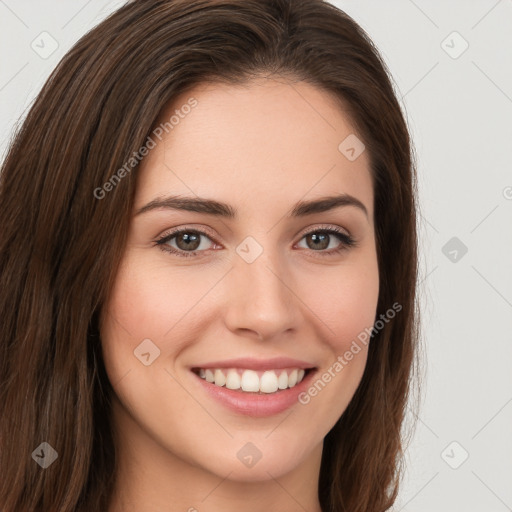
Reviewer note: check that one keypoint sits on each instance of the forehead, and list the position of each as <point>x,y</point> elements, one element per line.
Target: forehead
<point>271,140</point>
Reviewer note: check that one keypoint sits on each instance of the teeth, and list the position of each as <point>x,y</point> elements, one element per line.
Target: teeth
<point>292,378</point>
<point>268,383</point>
<point>220,378</point>
<point>282,382</point>
<point>233,380</point>
<point>251,381</point>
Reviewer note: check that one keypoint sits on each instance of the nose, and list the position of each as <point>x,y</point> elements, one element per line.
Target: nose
<point>260,298</point>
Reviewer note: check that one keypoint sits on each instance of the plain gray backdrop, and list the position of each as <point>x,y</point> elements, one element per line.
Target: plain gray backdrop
<point>452,66</point>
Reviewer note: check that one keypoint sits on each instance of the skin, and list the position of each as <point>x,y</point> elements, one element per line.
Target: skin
<point>260,148</point>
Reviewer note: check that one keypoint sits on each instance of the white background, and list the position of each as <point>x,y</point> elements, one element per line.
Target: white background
<point>459,109</point>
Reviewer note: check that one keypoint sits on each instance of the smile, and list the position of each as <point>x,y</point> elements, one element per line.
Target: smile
<point>254,387</point>
<point>253,381</point>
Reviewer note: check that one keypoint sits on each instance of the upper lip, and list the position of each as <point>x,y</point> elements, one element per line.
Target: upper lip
<point>276,363</point>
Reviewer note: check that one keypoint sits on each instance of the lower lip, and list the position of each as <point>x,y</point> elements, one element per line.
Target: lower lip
<point>254,404</point>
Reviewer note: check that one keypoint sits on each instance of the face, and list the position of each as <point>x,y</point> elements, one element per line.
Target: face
<point>260,293</point>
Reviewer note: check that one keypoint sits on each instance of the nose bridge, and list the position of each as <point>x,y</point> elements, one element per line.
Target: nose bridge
<point>260,292</point>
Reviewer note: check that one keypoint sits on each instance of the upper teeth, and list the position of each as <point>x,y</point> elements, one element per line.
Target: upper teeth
<point>252,381</point>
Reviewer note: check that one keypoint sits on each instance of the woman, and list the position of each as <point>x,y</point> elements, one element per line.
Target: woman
<point>208,267</point>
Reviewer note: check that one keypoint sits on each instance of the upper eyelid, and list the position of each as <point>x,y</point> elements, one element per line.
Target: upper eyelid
<point>205,230</point>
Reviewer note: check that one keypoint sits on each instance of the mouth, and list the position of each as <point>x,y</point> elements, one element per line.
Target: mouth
<point>261,382</point>
<point>252,387</point>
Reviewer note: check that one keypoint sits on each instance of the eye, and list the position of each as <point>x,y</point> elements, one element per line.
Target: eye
<point>188,242</point>
<point>320,239</point>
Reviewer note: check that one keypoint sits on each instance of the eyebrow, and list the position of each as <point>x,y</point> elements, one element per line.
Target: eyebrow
<point>219,209</point>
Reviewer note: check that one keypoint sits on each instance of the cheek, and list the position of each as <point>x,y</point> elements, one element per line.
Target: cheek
<point>152,301</point>
<point>142,306</point>
<point>356,307</point>
<point>345,302</point>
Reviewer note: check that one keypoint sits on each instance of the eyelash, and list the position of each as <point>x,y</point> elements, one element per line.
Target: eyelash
<point>346,241</point>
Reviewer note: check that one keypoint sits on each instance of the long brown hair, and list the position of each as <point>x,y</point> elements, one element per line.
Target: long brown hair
<point>60,245</point>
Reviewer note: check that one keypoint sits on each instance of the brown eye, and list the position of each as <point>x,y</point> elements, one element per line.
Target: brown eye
<point>184,242</point>
<point>319,240</point>
<point>188,241</point>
